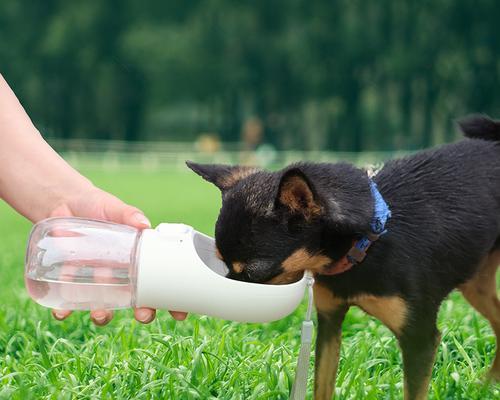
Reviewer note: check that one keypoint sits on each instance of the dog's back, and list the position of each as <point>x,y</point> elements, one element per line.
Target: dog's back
<point>446,207</point>
<point>486,129</point>
<point>483,127</point>
<point>444,234</point>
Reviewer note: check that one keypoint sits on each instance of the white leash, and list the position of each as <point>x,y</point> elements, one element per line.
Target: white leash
<point>299,387</point>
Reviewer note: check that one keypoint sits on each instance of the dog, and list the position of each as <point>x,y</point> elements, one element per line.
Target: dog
<point>442,233</point>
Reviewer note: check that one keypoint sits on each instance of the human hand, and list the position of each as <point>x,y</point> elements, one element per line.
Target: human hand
<point>95,203</point>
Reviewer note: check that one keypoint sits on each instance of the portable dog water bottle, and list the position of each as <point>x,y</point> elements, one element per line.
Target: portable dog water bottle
<point>79,264</point>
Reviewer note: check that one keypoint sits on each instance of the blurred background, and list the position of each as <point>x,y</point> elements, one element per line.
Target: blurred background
<point>260,82</point>
<point>127,90</point>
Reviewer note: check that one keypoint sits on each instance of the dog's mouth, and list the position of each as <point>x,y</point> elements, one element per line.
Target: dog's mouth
<point>280,278</point>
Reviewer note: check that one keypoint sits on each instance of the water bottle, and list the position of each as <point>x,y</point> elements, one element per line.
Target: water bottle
<point>77,264</point>
<point>80,264</point>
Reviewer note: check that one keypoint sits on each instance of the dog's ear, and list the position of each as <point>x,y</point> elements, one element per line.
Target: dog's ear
<point>297,194</point>
<point>222,176</point>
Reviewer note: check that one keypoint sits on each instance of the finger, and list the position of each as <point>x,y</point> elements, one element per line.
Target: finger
<point>178,315</point>
<point>61,314</point>
<point>137,219</point>
<point>144,315</point>
<point>101,317</point>
<point>117,211</point>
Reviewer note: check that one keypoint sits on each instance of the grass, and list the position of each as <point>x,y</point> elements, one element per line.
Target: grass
<point>204,358</point>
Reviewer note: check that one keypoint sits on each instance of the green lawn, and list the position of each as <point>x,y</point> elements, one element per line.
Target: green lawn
<point>202,357</point>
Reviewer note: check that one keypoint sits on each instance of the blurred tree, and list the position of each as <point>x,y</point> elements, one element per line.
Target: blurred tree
<point>346,75</point>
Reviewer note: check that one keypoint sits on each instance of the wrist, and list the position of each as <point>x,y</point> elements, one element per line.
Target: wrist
<point>34,179</point>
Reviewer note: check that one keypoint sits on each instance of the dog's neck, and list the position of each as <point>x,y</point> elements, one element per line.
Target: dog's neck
<point>359,249</point>
<point>357,217</point>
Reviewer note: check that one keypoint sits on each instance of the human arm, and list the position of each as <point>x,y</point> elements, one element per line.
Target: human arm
<point>38,183</point>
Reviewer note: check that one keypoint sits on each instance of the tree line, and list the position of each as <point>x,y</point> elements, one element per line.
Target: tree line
<point>345,75</point>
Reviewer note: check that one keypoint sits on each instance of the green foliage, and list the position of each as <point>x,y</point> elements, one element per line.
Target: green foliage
<point>341,75</point>
<point>203,358</point>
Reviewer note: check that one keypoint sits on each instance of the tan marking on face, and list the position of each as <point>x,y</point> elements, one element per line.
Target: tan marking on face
<point>286,278</point>
<point>301,259</point>
<point>238,267</point>
<point>236,176</point>
<point>325,300</point>
<point>390,310</point>
<point>296,195</point>
<point>297,263</point>
<point>296,260</point>
<point>218,254</point>
<point>326,369</point>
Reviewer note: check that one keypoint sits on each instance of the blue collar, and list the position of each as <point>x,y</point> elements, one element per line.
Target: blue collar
<point>357,253</point>
<point>382,212</point>
<point>381,215</point>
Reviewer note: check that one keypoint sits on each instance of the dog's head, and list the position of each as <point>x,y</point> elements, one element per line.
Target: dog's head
<point>272,224</point>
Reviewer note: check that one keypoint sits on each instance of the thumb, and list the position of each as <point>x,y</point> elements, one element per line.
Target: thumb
<point>117,211</point>
<point>135,217</point>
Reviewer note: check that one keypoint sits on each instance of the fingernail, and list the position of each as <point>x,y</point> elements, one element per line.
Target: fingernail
<point>178,315</point>
<point>141,219</point>
<point>143,315</point>
<point>99,317</point>
<point>59,315</point>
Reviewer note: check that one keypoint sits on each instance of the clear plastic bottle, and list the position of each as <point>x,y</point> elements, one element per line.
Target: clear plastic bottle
<point>79,264</point>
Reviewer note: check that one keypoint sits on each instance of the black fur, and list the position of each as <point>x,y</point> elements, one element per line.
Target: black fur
<point>480,127</point>
<point>445,205</point>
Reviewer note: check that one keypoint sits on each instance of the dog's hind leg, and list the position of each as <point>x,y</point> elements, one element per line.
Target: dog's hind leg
<point>331,313</point>
<point>481,293</point>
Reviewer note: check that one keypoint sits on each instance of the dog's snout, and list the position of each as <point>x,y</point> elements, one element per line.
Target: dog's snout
<point>258,271</point>
<point>254,271</point>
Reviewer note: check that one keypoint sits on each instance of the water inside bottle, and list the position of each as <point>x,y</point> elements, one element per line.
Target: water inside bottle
<point>81,266</point>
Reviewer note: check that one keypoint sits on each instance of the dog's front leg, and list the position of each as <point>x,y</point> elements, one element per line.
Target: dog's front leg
<point>327,352</point>
<point>331,313</point>
<point>418,344</point>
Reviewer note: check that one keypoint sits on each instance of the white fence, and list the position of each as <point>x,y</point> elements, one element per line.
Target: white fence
<point>152,156</point>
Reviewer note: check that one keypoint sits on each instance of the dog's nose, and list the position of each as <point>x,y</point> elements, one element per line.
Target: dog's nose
<point>258,271</point>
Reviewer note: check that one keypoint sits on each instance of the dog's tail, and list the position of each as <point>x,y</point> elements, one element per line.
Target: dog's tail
<point>480,127</point>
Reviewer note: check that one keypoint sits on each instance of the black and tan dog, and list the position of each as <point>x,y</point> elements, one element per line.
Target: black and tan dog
<point>444,234</point>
